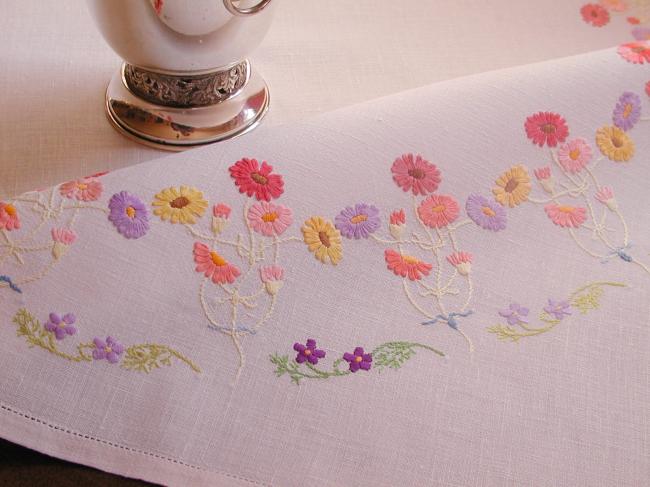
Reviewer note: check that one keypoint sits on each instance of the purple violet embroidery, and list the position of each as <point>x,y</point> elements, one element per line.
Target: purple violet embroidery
<point>129,215</point>
<point>486,213</point>
<point>358,359</point>
<point>108,349</point>
<point>358,221</point>
<point>627,111</point>
<point>308,352</point>
<point>515,314</point>
<point>557,309</point>
<point>61,326</point>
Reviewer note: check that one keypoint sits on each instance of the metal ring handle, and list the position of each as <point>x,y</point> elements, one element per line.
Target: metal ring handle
<point>241,12</point>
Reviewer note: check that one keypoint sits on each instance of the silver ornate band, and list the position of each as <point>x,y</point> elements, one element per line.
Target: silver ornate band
<point>186,91</point>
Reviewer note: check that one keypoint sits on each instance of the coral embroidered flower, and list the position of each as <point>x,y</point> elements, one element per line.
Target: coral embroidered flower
<point>86,189</point>
<point>615,144</point>
<point>272,276</point>
<point>574,155</point>
<point>180,205</point>
<point>157,6</point>
<point>221,210</point>
<point>213,265</point>
<point>557,309</point>
<point>63,238</point>
<point>438,210</point>
<point>308,352</point>
<point>515,314</point>
<point>606,196</point>
<point>61,326</point>
<point>358,359</point>
<point>462,261</point>
<point>129,215</point>
<point>358,221</point>
<point>627,111</point>
<point>406,265</point>
<point>253,179</point>
<point>269,219</point>
<point>595,15</point>
<point>397,223</point>
<point>543,175</point>
<point>109,349</point>
<point>513,186</point>
<point>546,128</point>
<point>565,215</point>
<point>641,33</point>
<point>323,240</point>
<point>415,174</point>
<point>614,5</point>
<point>9,219</point>
<point>633,20</point>
<point>635,52</point>
<point>220,215</point>
<point>485,213</point>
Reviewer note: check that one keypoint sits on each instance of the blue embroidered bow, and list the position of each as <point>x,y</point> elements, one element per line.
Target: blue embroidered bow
<point>620,252</point>
<point>240,328</point>
<point>12,286</point>
<point>450,319</point>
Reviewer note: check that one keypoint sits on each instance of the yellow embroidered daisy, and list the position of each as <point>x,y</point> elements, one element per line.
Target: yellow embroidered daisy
<point>513,186</point>
<point>615,144</point>
<point>323,240</point>
<point>180,205</point>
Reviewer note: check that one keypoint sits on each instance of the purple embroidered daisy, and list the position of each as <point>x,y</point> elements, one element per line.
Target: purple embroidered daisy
<point>627,111</point>
<point>308,352</point>
<point>515,314</point>
<point>61,326</point>
<point>557,309</point>
<point>358,359</point>
<point>358,221</point>
<point>108,349</point>
<point>486,213</point>
<point>129,215</point>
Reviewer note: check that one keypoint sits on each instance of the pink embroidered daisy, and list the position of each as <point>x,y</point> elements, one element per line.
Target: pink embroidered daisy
<point>213,265</point>
<point>566,216</point>
<point>86,189</point>
<point>546,128</point>
<point>9,219</point>
<point>574,155</point>
<point>269,219</point>
<point>253,179</point>
<point>438,211</point>
<point>635,52</point>
<point>594,14</point>
<point>406,265</point>
<point>413,173</point>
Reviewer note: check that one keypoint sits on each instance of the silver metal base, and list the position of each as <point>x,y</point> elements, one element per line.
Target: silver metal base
<point>175,129</point>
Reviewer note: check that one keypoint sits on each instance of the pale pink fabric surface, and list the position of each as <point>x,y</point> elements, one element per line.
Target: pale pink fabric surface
<point>567,407</point>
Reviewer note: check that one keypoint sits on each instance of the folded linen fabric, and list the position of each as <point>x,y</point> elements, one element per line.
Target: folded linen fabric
<point>444,287</point>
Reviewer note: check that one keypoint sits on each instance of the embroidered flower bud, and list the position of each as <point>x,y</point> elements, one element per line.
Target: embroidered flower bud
<point>543,175</point>
<point>606,196</point>
<point>462,261</point>
<point>272,276</point>
<point>63,238</point>
<point>221,213</point>
<point>396,226</point>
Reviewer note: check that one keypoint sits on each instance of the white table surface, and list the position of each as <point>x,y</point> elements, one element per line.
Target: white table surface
<point>319,55</point>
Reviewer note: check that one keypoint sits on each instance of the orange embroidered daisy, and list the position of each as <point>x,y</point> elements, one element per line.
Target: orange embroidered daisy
<point>438,210</point>
<point>214,265</point>
<point>406,265</point>
<point>323,239</point>
<point>513,186</point>
<point>615,144</point>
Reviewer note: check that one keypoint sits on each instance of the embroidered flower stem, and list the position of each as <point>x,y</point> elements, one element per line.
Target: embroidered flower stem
<point>149,356</point>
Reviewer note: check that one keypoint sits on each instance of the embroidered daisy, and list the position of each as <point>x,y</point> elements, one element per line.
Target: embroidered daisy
<point>253,179</point>
<point>627,111</point>
<point>513,186</point>
<point>438,211</point>
<point>565,215</point>
<point>180,205</point>
<point>574,155</point>
<point>415,174</point>
<point>546,128</point>
<point>9,219</point>
<point>615,144</point>
<point>406,265</point>
<point>485,213</point>
<point>595,15</point>
<point>129,215</point>
<point>213,265</point>
<point>86,189</point>
<point>358,221</point>
<point>269,219</point>
<point>635,52</point>
<point>323,240</point>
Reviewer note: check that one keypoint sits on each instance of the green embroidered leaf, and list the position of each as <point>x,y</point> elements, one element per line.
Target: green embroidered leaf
<point>394,354</point>
<point>588,299</point>
<point>505,333</point>
<point>147,357</point>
